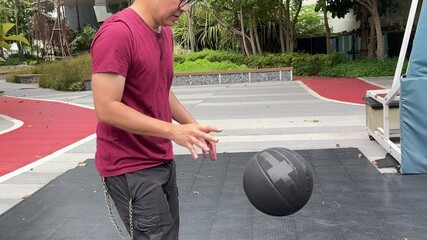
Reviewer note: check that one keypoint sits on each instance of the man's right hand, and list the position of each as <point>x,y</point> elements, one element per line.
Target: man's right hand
<point>191,135</point>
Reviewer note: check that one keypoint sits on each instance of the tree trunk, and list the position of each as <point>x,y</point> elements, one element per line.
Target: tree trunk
<point>252,35</point>
<point>364,32</point>
<point>371,46</point>
<point>379,32</point>
<point>17,4</point>
<point>372,6</point>
<point>257,43</point>
<point>281,28</point>
<point>327,28</point>
<point>79,27</point>
<point>292,26</point>
<point>242,26</point>
<point>287,29</point>
<point>191,34</point>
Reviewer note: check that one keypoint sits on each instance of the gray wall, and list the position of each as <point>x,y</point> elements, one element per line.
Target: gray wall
<point>86,15</point>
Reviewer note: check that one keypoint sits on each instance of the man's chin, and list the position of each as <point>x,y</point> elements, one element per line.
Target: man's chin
<point>170,23</point>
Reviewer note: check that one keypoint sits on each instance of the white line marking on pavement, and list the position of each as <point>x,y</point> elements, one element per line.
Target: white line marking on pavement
<point>16,124</point>
<point>254,103</point>
<point>293,137</point>
<point>291,122</point>
<point>28,167</point>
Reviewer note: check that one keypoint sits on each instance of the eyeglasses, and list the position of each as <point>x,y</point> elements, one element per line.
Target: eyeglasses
<point>182,3</point>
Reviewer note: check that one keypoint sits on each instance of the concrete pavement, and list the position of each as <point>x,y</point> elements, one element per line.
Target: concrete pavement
<point>254,116</point>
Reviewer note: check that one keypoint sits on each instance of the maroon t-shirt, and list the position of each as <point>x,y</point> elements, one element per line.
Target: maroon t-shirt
<point>126,45</point>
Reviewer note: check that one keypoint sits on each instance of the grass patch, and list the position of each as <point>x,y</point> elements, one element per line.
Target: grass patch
<point>203,65</point>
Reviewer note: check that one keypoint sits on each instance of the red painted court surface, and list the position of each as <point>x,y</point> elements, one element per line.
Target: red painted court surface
<point>350,90</point>
<point>48,127</point>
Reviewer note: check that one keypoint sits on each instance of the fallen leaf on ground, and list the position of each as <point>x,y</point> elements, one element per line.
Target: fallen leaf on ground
<point>314,120</point>
<point>196,192</point>
<point>81,164</point>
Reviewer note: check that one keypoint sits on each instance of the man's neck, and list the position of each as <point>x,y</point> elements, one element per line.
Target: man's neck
<point>145,15</point>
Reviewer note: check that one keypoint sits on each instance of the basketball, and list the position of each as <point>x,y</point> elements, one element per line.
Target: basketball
<point>278,182</point>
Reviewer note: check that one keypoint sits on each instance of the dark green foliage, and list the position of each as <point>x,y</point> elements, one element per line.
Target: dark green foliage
<point>14,59</point>
<point>362,68</point>
<point>303,64</point>
<point>203,65</point>
<point>270,60</point>
<point>65,75</point>
<point>82,41</point>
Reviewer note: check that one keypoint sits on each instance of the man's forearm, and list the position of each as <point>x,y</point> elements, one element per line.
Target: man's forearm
<point>121,116</point>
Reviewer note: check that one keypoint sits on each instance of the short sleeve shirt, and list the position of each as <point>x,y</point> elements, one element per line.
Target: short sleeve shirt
<point>127,46</point>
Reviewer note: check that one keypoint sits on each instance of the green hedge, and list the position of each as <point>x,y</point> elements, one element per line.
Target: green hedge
<point>362,68</point>
<point>303,64</point>
<point>66,74</point>
<point>203,65</point>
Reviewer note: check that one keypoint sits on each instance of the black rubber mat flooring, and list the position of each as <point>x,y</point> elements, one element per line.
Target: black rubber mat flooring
<point>351,200</point>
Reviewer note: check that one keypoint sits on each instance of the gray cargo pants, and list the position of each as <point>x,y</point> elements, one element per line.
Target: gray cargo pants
<point>155,205</point>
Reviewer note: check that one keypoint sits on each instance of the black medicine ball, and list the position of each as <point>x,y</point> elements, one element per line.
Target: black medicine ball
<point>277,181</point>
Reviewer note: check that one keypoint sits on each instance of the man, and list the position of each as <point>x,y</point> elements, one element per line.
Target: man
<point>132,72</point>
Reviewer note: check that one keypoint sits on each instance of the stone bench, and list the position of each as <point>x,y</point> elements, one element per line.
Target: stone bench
<point>27,78</point>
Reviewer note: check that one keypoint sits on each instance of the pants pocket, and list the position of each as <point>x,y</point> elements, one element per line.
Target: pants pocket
<point>149,224</point>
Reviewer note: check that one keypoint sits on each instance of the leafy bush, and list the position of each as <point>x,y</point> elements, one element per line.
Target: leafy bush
<point>270,60</point>
<point>199,55</point>
<point>14,60</point>
<point>212,56</point>
<point>83,39</point>
<point>66,74</point>
<point>361,68</point>
<point>11,61</point>
<point>179,58</point>
<point>332,65</point>
<point>221,56</point>
<point>203,65</point>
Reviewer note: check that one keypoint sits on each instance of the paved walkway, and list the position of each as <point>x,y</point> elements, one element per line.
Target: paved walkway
<point>254,117</point>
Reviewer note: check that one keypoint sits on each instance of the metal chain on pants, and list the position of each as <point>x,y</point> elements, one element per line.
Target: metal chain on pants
<point>110,212</point>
